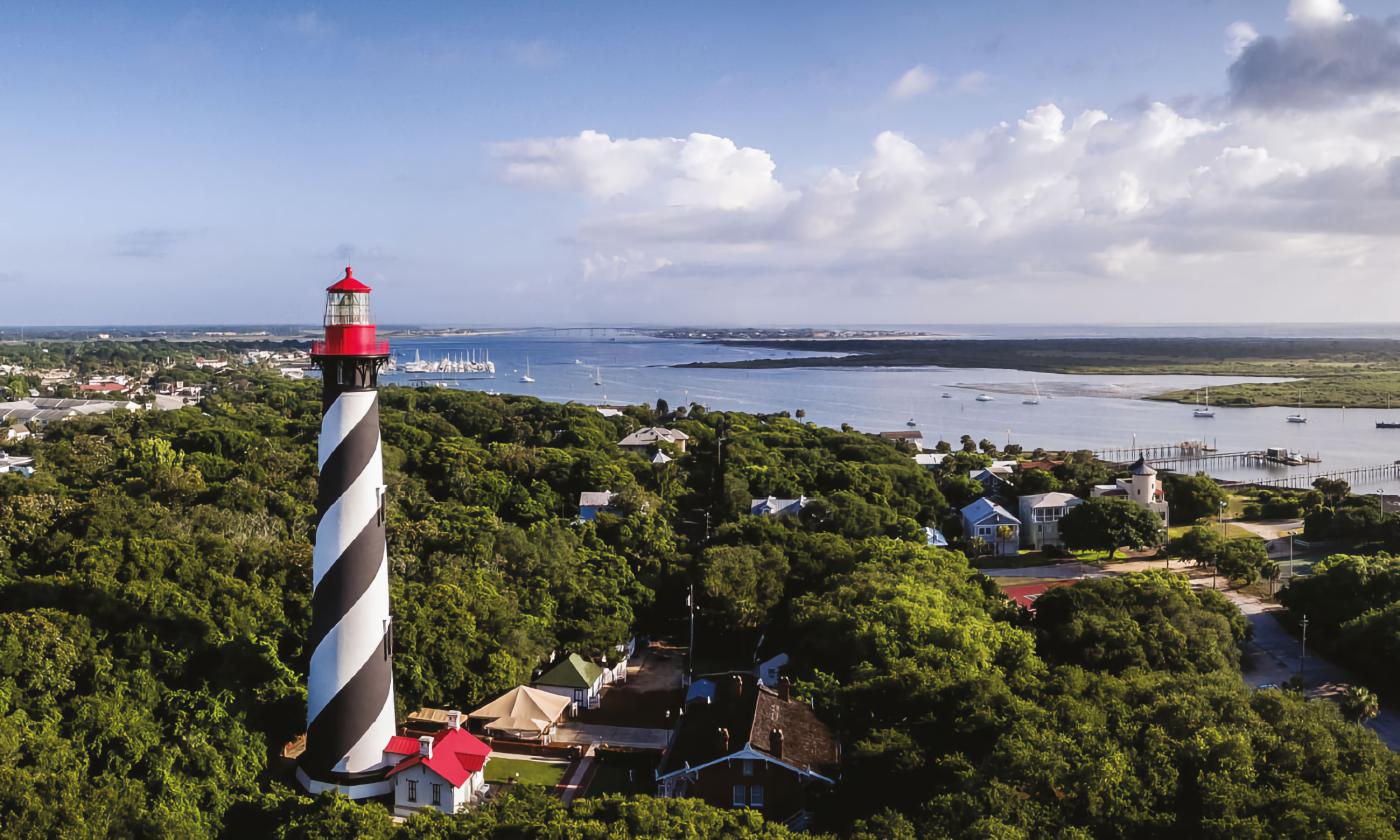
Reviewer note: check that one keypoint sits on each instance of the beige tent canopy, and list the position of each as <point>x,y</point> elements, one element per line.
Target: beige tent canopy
<point>523,713</point>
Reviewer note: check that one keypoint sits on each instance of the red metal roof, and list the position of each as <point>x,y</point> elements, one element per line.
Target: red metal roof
<point>456,755</point>
<point>402,745</point>
<point>348,283</point>
<point>1025,594</point>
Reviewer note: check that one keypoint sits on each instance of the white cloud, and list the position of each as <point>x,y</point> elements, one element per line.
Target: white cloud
<point>700,171</point>
<point>1317,13</point>
<point>1238,36</point>
<point>916,80</point>
<point>1199,200</point>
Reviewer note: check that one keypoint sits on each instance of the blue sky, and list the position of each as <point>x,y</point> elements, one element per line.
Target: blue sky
<point>185,163</point>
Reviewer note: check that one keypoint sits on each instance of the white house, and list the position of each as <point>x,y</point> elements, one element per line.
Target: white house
<point>1041,515</point>
<point>777,508</point>
<point>929,460</point>
<point>21,464</point>
<point>913,438</point>
<point>1142,486</point>
<point>445,771</point>
<point>984,520</point>
<point>643,440</point>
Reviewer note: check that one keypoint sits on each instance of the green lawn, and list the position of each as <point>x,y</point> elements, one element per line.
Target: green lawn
<point>500,770</point>
<point>612,778</point>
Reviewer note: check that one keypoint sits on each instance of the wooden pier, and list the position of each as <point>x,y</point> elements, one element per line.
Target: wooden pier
<point>1127,455</point>
<point>1377,472</point>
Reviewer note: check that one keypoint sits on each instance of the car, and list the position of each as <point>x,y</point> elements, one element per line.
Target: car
<point>1269,686</point>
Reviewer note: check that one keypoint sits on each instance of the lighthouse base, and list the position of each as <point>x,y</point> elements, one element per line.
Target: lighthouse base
<point>366,785</point>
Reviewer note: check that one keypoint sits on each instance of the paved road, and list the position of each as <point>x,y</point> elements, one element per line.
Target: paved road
<point>1272,657</point>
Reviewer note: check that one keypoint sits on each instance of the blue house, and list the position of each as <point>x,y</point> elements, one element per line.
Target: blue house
<point>984,519</point>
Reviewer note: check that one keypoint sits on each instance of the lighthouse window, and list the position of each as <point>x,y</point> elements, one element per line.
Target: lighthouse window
<point>347,308</point>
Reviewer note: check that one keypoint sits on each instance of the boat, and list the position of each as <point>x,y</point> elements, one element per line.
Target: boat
<point>1035,400</point>
<point>910,423</point>
<point>598,376</point>
<point>1300,417</point>
<point>417,365</point>
<point>1388,424</point>
<point>527,378</point>
<point>947,396</point>
<point>985,397</point>
<point>1204,410</point>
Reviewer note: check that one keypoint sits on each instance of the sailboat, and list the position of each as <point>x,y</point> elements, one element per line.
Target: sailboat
<point>417,365</point>
<point>527,377</point>
<point>1387,424</point>
<point>1300,417</point>
<point>985,397</point>
<point>1035,400</point>
<point>598,376</point>
<point>1204,410</point>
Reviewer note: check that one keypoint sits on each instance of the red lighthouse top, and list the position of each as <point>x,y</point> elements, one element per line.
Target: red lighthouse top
<point>348,283</point>
<point>349,331</point>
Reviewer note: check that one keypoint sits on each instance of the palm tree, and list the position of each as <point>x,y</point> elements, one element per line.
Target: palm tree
<point>1360,703</point>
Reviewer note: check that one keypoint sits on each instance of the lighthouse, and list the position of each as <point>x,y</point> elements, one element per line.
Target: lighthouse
<point>350,686</point>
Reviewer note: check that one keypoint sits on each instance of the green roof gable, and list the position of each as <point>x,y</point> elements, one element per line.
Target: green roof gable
<point>572,672</point>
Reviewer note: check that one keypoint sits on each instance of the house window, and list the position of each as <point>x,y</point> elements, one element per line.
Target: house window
<point>740,796</point>
<point>756,796</point>
<point>437,793</point>
<point>748,767</point>
<point>412,790</point>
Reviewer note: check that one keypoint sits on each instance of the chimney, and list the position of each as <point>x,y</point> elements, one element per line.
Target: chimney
<point>722,735</point>
<point>784,689</point>
<point>775,742</point>
<point>425,746</point>
<point>454,719</point>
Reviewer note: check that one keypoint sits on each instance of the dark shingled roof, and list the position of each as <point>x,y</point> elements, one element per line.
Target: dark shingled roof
<point>750,718</point>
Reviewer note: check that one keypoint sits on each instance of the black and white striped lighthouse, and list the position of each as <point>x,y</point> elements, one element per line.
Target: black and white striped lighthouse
<point>350,688</point>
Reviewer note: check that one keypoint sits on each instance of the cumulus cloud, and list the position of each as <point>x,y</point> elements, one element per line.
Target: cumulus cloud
<point>1329,58</point>
<point>1202,194</point>
<point>915,81</point>
<point>699,171</point>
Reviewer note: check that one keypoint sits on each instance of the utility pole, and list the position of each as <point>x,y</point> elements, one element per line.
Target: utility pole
<point>1303,649</point>
<point>690,658</point>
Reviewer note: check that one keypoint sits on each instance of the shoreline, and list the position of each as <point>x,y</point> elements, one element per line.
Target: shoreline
<point>1307,373</point>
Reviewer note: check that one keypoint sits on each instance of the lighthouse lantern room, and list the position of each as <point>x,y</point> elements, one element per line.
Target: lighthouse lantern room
<point>349,331</point>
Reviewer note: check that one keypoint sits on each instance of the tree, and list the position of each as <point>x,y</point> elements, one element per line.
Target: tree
<point>1193,496</point>
<point>1201,545</point>
<point>1333,490</point>
<point>1036,481</point>
<point>1242,558</point>
<point>743,582</point>
<point>1359,703</point>
<point>1106,523</point>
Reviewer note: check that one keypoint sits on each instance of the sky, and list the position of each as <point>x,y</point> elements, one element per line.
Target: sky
<point>714,164</point>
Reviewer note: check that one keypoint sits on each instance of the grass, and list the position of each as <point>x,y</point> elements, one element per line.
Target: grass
<point>500,770</point>
<point>612,778</point>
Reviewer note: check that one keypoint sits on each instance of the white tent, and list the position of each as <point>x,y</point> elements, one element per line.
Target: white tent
<point>523,713</point>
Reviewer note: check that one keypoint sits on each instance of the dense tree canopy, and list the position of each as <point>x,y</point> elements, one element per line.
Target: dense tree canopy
<point>154,601</point>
